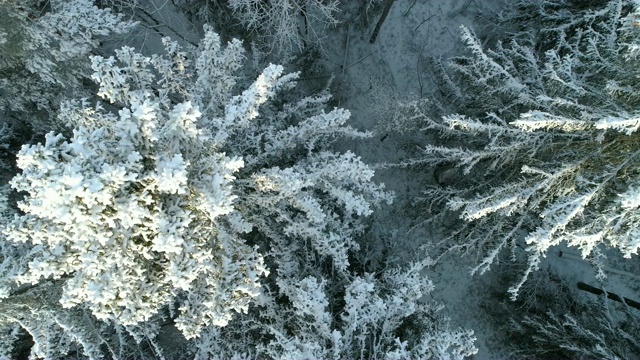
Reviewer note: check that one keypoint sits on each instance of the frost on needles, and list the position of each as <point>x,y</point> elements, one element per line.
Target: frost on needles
<point>548,139</point>
<point>229,214</point>
<point>44,54</point>
<point>136,209</point>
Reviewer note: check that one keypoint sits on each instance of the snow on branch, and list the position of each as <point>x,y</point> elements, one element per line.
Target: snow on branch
<point>286,26</point>
<point>150,207</point>
<point>554,160</point>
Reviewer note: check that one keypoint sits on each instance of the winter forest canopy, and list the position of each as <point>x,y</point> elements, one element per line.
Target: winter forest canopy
<point>305,179</point>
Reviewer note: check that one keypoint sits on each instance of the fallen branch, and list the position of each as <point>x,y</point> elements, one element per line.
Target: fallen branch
<point>346,51</point>
<point>612,296</point>
<point>359,60</point>
<point>568,255</point>
<point>424,21</point>
<point>410,7</point>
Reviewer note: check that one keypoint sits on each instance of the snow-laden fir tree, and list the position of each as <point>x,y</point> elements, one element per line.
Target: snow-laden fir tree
<point>177,195</point>
<point>553,319</point>
<point>44,49</point>
<point>311,311</point>
<point>34,312</point>
<point>592,331</point>
<point>546,142</point>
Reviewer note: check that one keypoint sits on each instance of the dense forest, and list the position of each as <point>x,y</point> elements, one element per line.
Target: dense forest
<point>315,179</point>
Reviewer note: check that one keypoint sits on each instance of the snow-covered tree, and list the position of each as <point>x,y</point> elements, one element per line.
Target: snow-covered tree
<point>177,197</point>
<point>286,26</point>
<point>546,142</point>
<point>342,315</point>
<point>44,49</point>
<point>589,334</point>
<point>57,332</point>
<point>133,209</point>
<point>553,319</point>
<point>155,201</point>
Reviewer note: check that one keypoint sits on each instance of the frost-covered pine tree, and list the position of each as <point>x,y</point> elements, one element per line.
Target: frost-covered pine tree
<point>311,311</point>
<point>545,142</point>
<point>591,332</point>
<point>136,209</point>
<point>553,319</point>
<point>44,49</point>
<point>176,195</point>
<point>34,312</point>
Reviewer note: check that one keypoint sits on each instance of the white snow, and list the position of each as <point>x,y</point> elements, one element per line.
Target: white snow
<point>369,77</point>
<point>395,67</point>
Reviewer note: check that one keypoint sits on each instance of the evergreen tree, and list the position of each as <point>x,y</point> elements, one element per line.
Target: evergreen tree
<point>176,198</point>
<point>546,142</point>
<point>44,49</point>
